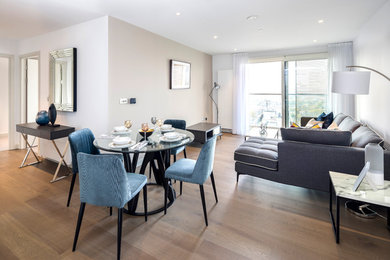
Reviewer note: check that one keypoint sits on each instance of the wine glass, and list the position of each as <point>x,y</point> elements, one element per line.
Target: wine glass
<point>145,128</point>
<point>128,124</point>
<point>159,122</point>
<point>153,120</point>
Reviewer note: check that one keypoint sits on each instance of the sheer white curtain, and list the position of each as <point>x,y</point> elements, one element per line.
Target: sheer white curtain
<point>340,56</point>
<point>239,93</point>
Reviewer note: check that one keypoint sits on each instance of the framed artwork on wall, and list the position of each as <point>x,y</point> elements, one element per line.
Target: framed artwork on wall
<point>180,74</point>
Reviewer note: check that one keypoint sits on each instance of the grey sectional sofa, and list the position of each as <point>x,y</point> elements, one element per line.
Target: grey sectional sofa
<point>305,156</point>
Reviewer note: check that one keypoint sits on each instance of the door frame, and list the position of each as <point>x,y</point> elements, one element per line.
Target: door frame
<point>11,94</point>
<point>23,87</point>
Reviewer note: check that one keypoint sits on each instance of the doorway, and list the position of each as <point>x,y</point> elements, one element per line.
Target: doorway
<point>4,102</point>
<point>29,90</point>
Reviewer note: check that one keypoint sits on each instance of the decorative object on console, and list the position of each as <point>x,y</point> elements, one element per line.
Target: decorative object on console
<point>42,118</point>
<point>216,87</point>
<point>353,82</point>
<point>53,115</point>
<point>180,75</point>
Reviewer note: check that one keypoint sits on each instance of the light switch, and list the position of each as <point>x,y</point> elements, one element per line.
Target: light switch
<point>123,101</point>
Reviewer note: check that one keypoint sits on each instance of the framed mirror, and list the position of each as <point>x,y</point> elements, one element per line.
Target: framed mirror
<point>63,79</point>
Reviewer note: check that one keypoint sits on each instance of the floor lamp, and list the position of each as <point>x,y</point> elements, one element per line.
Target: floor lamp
<point>215,87</point>
<point>355,83</point>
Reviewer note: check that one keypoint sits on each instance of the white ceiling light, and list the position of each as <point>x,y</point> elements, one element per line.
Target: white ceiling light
<point>314,40</point>
<point>252,17</point>
<point>235,49</point>
<point>178,13</point>
<point>215,37</point>
<point>321,21</point>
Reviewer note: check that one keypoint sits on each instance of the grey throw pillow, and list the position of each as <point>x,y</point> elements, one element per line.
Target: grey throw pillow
<point>349,124</point>
<point>364,135</point>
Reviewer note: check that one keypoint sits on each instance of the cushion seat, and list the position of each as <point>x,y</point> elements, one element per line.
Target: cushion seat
<point>259,152</point>
<point>181,170</point>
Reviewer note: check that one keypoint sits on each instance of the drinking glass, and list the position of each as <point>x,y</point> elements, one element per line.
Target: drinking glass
<point>128,124</point>
<point>159,122</point>
<point>153,120</point>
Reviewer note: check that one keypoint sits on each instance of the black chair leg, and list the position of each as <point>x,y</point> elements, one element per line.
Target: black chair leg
<point>203,204</point>
<point>174,158</point>
<point>150,170</point>
<point>185,153</point>
<point>213,183</point>
<point>165,195</point>
<point>119,238</point>
<point>181,187</point>
<point>71,189</point>
<point>146,202</point>
<point>238,175</point>
<point>80,219</point>
<point>110,211</point>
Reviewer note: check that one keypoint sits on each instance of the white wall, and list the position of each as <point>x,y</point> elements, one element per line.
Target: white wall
<point>139,68</point>
<point>91,40</point>
<point>4,85</point>
<point>372,49</point>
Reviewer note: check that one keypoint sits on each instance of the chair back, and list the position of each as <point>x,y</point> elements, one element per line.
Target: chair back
<point>81,141</point>
<point>176,123</point>
<point>205,162</point>
<point>103,180</point>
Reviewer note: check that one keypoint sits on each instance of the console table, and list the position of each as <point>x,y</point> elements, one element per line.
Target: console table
<point>48,133</point>
<point>204,131</point>
<point>342,185</point>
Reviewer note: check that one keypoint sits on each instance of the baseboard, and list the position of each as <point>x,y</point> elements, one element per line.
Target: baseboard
<point>227,130</point>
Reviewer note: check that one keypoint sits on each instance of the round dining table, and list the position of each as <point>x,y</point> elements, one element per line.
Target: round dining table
<point>157,153</point>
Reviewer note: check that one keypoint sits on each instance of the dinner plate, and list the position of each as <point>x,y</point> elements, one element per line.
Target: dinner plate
<point>121,132</point>
<point>166,140</point>
<point>113,145</point>
<point>167,130</point>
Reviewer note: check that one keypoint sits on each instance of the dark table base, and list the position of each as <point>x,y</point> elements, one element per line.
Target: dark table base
<point>163,161</point>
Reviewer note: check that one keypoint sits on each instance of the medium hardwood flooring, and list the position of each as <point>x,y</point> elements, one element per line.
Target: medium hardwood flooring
<point>254,219</point>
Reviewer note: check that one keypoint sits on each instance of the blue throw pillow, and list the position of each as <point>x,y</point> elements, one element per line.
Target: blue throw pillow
<point>328,120</point>
<point>321,117</point>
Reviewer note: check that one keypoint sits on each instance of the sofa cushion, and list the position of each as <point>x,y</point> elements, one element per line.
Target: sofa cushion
<point>260,152</point>
<point>349,124</point>
<point>339,118</point>
<point>364,135</point>
<point>317,136</point>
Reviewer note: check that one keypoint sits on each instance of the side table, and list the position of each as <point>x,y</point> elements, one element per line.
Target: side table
<point>204,131</point>
<point>342,184</point>
<point>48,133</point>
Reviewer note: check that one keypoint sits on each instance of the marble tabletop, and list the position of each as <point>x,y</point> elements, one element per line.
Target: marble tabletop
<point>343,184</point>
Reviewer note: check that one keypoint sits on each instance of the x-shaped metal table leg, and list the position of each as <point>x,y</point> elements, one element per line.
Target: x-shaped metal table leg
<point>62,160</point>
<point>30,149</point>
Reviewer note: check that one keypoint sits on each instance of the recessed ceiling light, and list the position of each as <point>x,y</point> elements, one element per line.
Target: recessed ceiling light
<point>260,29</point>
<point>314,40</point>
<point>235,49</point>
<point>178,13</point>
<point>215,37</point>
<point>321,21</point>
<point>252,17</point>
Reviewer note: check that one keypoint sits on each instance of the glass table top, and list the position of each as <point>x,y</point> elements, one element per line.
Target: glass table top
<point>155,144</point>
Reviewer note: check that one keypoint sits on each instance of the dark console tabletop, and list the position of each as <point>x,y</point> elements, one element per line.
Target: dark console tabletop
<point>46,131</point>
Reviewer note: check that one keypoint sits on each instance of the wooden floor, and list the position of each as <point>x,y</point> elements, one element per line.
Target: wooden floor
<point>254,219</point>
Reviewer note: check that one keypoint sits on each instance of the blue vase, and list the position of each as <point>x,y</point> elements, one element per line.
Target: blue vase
<point>42,118</point>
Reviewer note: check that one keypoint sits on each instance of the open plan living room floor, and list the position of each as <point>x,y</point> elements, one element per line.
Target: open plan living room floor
<point>254,219</point>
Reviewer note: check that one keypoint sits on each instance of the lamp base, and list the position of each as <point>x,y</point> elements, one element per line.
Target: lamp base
<point>360,209</point>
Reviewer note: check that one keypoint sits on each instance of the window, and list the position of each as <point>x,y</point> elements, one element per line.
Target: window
<point>265,95</point>
<point>283,91</point>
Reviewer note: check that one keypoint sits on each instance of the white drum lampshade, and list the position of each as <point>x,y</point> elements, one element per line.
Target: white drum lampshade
<point>351,82</point>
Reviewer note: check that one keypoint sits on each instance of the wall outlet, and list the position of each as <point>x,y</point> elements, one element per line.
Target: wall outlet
<point>205,119</point>
<point>133,100</point>
<point>123,101</point>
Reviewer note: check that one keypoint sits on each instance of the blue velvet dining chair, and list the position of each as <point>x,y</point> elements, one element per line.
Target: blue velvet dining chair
<point>105,182</point>
<point>197,172</point>
<point>179,124</point>
<point>80,141</point>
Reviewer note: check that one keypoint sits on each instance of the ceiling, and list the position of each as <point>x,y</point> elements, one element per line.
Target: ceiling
<point>280,24</point>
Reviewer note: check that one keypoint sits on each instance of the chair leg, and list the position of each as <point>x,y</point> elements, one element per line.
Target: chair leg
<point>165,195</point>
<point>185,153</point>
<point>119,238</point>
<point>238,175</point>
<point>110,211</point>
<point>80,219</point>
<point>174,158</point>
<point>213,183</point>
<point>181,187</point>
<point>146,202</point>
<point>203,204</point>
<point>150,170</point>
<point>71,189</point>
